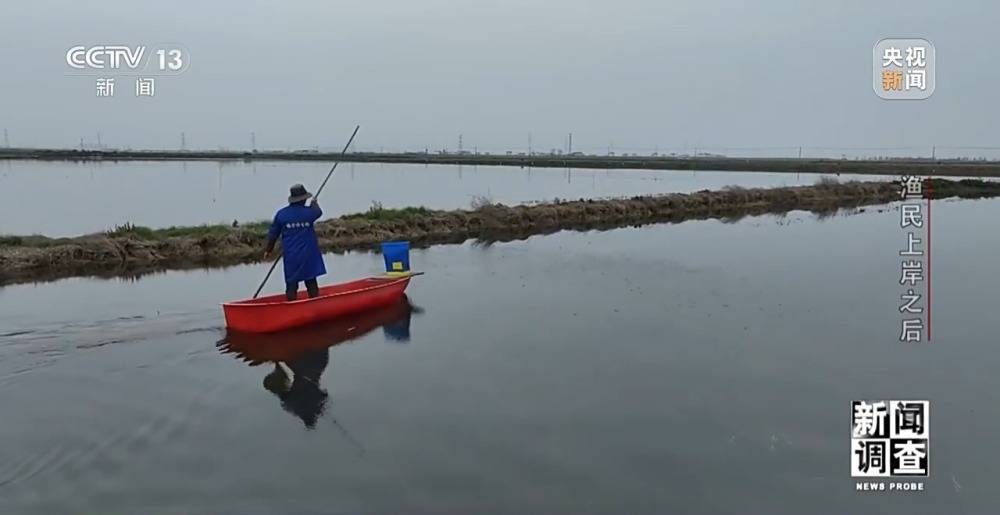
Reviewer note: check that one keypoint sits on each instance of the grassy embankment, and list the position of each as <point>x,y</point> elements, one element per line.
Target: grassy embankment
<point>131,249</point>
<point>130,230</point>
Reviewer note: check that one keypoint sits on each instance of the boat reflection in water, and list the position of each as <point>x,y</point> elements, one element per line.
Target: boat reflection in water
<point>301,355</point>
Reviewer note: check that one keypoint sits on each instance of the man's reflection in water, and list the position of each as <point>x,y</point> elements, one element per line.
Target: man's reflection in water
<point>301,395</point>
<point>300,356</point>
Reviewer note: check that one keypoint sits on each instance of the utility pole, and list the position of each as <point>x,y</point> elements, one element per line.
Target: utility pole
<point>800,152</point>
<point>570,149</point>
<point>529,143</point>
<point>933,149</point>
<point>459,143</point>
<point>183,143</point>
<point>6,140</point>
<point>99,145</point>
<point>81,144</point>
<point>253,141</point>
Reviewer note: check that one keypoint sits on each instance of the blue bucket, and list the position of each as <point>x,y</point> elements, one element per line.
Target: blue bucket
<point>397,256</point>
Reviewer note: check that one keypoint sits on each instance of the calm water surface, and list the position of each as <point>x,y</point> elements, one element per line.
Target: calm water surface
<point>704,367</point>
<point>92,197</point>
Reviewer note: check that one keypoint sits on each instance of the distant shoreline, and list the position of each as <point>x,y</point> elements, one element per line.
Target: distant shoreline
<point>894,167</point>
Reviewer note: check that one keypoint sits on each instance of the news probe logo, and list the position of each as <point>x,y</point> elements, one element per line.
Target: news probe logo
<point>112,64</point>
<point>890,439</point>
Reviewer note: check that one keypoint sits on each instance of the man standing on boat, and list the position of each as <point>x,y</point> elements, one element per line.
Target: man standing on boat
<point>300,248</point>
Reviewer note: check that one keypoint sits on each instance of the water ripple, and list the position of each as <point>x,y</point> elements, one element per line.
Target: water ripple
<point>29,349</point>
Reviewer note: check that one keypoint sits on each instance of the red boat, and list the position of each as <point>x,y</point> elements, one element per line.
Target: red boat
<point>289,346</point>
<point>274,313</point>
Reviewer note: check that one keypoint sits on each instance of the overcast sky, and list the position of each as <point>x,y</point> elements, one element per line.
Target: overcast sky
<point>417,73</point>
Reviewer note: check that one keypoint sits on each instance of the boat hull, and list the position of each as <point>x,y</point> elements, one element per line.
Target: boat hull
<point>274,313</point>
<point>292,344</point>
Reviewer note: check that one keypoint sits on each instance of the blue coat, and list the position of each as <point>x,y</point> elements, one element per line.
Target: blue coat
<point>294,223</point>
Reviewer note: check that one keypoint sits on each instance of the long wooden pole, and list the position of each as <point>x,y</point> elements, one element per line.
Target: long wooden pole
<point>316,196</point>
